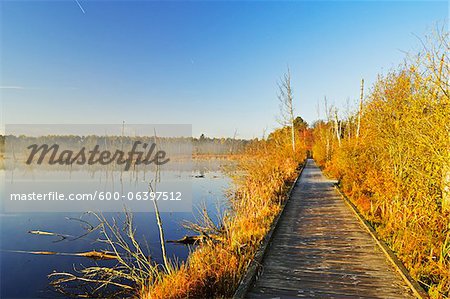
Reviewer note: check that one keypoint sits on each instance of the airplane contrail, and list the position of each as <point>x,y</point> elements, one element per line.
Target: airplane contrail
<point>81,7</point>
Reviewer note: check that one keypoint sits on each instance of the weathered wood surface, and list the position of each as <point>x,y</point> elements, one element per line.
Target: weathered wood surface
<point>320,249</point>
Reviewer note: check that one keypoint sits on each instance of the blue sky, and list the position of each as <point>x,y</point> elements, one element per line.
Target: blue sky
<point>210,64</point>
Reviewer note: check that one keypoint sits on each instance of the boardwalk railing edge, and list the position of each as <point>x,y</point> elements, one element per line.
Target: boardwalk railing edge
<point>418,291</point>
<point>255,264</point>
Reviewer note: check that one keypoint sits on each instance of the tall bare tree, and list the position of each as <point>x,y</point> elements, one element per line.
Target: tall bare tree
<point>361,97</point>
<point>337,126</point>
<point>285,96</point>
<point>328,112</point>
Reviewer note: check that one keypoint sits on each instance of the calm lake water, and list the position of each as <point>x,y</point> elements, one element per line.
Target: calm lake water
<point>24,275</point>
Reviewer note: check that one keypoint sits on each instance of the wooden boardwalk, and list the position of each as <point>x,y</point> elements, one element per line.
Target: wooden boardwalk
<point>320,249</point>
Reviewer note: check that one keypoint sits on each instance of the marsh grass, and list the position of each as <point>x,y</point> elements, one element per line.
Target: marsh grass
<point>215,267</point>
<point>132,264</point>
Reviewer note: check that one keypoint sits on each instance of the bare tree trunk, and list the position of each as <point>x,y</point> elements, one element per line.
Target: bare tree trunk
<point>446,188</point>
<point>358,128</point>
<point>234,140</point>
<point>293,133</point>
<point>291,108</point>
<point>446,181</point>
<point>337,127</point>
<point>328,132</point>
<point>328,154</point>
<point>286,105</point>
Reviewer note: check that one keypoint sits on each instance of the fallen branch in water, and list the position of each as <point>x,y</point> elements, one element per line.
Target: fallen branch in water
<point>87,226</point>
<point>95,255</point>
<point>44,233</point>
<point>188,240</point>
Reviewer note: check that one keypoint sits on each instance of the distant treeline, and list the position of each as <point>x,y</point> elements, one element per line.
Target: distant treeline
<point>218,146</point>
<point>175,145</point>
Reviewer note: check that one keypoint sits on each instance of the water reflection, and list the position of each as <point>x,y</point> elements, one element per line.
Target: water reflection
<point>25,275</point>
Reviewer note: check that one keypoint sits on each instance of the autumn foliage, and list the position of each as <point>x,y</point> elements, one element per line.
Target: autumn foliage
<point>262,178</point>
<point>397,169</point>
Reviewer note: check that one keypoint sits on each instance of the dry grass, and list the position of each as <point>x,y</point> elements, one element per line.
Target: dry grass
<point>216,265</point>
<point>214,268</point>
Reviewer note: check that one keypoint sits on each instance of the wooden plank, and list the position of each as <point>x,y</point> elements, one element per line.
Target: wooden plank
<point>255,265</point>
<point>319,249</point>
<point>419,292</point>
<point>308,293</point>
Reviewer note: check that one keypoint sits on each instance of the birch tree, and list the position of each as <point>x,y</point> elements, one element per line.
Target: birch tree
<point>285,96</point>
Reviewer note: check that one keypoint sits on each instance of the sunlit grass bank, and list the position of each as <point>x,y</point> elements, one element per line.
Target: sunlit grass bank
<point>214,268</point>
